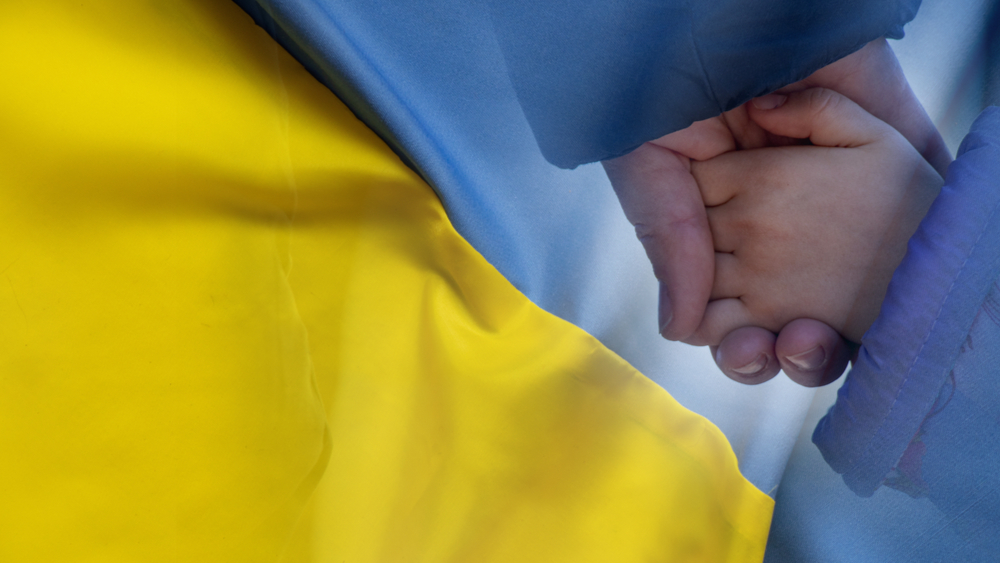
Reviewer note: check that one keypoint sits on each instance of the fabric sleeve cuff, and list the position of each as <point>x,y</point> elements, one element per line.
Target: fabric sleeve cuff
<point>930,305</point>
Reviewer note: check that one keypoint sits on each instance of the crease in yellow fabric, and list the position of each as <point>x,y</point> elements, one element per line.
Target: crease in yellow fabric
<point>234,327</point>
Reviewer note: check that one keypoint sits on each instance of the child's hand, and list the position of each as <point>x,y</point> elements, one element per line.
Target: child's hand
<point>811,231</point>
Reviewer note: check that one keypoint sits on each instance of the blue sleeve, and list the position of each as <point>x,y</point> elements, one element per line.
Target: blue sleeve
<point>920,411</point>
<point>597,78</point>
<point>594,78</point>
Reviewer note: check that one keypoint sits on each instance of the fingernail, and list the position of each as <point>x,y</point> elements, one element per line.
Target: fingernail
<point>770,101</point>
<point>666,311</point>
<point>753,367</point>
<point>810,360</point>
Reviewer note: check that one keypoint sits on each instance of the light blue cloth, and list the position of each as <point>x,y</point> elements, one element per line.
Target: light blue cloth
<point>433,79</point>
<point>457,90</point>
<point>929,308</point>
<point>953,471</point>
<point>956,460</point>
<point>938,333</point>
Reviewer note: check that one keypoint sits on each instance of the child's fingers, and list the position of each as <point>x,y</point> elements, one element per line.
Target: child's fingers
<point>725,222</point>
<point>823,116</point>
<point>721,318</point>
<point>729,280</point>
<point>723,177</point>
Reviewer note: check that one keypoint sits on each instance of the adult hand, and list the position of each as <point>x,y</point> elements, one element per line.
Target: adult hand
<point>661,199</point>
<point>873,79</point>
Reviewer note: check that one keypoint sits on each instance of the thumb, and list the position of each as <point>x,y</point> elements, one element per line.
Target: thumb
<point>823,116</point>
<point>661,199</point>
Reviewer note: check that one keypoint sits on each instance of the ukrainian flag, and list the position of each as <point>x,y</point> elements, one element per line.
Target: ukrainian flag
<point>234,326</point>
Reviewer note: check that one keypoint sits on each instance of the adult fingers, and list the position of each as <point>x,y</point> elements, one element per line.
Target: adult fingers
<point>724,176</point>
<point>660,198</point>
<point>732,130</point>
<point>811,353</point>
<point>823,116</point>
<point>701,140</point>
<point>730,279</point>
<point>747,355</point>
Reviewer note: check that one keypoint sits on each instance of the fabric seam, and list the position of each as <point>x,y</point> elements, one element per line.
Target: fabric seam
<point>937,318</point>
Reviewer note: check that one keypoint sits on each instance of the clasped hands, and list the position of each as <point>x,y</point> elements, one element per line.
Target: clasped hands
<point>774,228</point>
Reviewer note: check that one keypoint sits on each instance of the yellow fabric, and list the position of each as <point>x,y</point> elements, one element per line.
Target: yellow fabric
<point>234,327</point>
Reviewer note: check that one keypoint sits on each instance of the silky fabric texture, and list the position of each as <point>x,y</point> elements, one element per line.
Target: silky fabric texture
<point>235,327</point>
<point>431,79</point>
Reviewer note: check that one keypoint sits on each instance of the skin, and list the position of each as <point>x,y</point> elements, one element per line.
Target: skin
<point>811,231</point>
<point>660,197</point>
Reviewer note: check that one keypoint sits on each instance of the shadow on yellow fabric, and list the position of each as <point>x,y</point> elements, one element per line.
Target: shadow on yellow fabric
<point>234,327</point>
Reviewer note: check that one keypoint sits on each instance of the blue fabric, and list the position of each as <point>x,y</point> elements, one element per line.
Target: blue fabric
<point>444,84</point>
<point>596,79</point>
<point>955,460</point>
<point>913,347</point>
<point>431,78</point>
<point>941,502</point>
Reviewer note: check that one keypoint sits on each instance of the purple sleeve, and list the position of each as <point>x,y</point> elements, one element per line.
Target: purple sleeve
<point>906,372</point>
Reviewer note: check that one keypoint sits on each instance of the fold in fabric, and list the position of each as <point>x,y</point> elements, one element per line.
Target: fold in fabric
<point>912,348</point>
<point>954,460</point>
<point>235,327</point>
<point>431,80</point>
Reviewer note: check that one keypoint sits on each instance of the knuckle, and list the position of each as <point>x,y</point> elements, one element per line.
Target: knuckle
<point>824,102</point>
<point>677,222</point>
<point>766,313</point>
<point>645,232</point>
<point>763,235</point>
